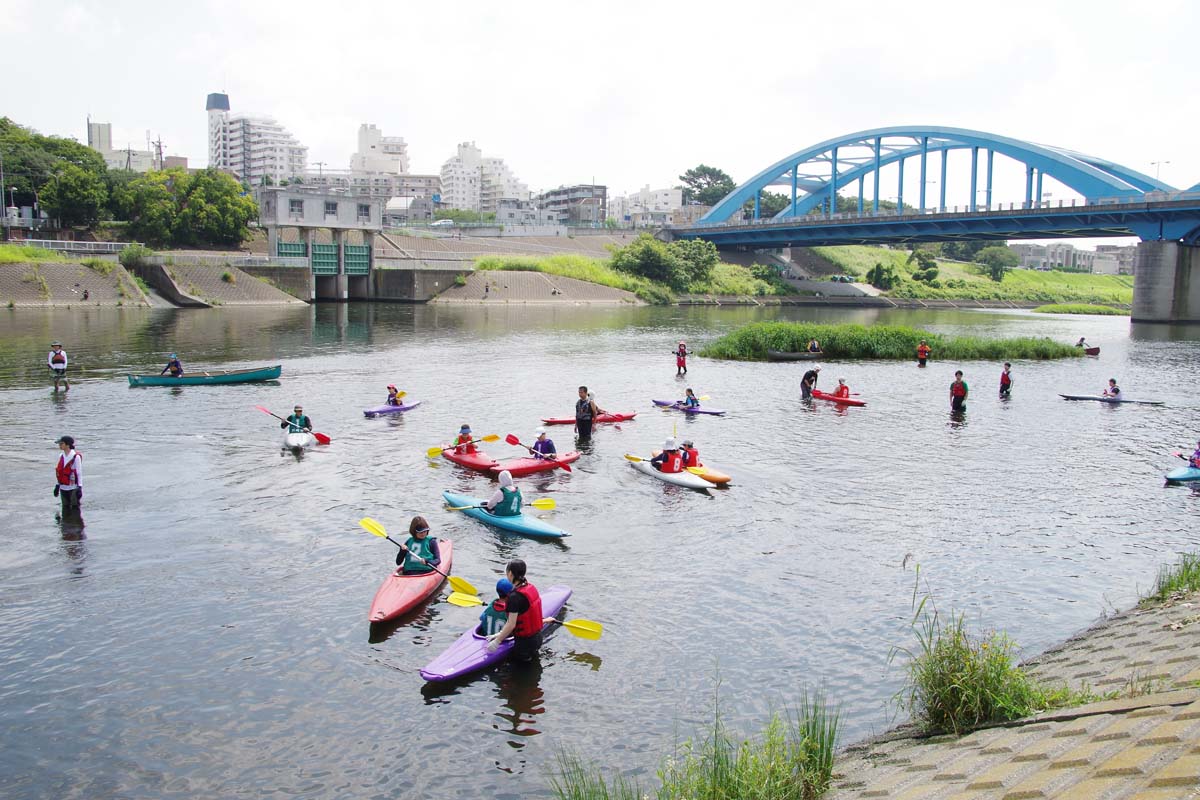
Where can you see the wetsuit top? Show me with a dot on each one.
(297, 423)
(958, 389)
(691, 401)
(543, 448)
(426, 548)
(392, 399)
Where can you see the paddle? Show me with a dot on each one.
(456, 583)
(512, 439)
(434, 452)
(320, 437)
(583, 628)
(544, 503)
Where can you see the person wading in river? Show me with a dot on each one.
(56, 360)
(586, 412)
(958, 392)
(809, 382)
(525, 621)
(68, 478)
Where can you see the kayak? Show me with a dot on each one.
(217, 376)
(524, 524)
(378, 410)
(595, 420)
(1102, 399)
(678, 406)
(530, 465)
(1183, 475)
(469, 652)
(686, 479)
(480, 461)
(842, 401)
(298, 441)
(782, 355)
(1091, 351)
(708, 473)
(399, 594)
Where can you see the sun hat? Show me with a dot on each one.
(539, 430)
(465, 428)
(669, 444)
(56, 344)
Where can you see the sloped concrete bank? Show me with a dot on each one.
(64, 283)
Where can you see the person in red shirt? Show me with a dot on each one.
(681, 354)
(464, 442)
(1006, 380)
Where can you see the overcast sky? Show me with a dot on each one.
(627, 93)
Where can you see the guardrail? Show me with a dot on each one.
(67, 246)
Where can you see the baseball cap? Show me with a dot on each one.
(67, 440)
(504, 586)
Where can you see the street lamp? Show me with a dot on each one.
(11, 191)
(1158, 167)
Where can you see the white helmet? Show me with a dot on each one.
(539, 430)
(669, 444)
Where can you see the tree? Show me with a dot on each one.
(31, 162)
(769, 204)
(211, 208)
(924, 259)
(882, 277)
(74, 196)
(148, 202)
(998, 259)
(706, 185)
(649, 258)
(964, 250)
(696, 257)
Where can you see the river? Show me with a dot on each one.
(206, 635)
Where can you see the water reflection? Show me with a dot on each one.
(519, 688)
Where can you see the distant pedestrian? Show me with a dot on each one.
(68, 478)
(958, 392)
(56, 359)
(1006, 380)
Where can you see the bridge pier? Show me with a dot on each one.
(1166, 284)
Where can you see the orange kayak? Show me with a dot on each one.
(708, 473)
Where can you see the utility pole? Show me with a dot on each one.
(158, 148)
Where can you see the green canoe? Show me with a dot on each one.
(207, 377)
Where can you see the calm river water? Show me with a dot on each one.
(208, 637)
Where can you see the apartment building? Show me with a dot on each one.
(254, 149)
(100, 140)
(646, 208)
(582, 204)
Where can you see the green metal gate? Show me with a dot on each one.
(325, 259)
(358, 259)
(292, 249)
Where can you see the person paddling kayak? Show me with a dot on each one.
(958, 392)
(1082, 342)
(1194, 460)
(506, 500)
(670, 459)
(174, 366)
(420, 553)
(842, 389)
(681, 354)
(464, 442)
(586, 411)
(690, 400)
(1006, 380)
(922, 353)
(68, 477)
(297, 422)
(393, 398)
(56, 359)
(809, 382)
(543, 446)
(496, 614)
(524, 610)
(1113, 390)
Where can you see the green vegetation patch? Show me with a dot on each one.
(751, 343)
(23, 254)
(99, 265)
(580, 268)
(1175, 580)
(1080, 308)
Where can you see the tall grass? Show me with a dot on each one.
(23, 254)
(791, 759)
(1080, 308)
(751, 343)
(1181, 577)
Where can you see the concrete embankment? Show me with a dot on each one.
(206, 285)
(63, 283)
(1143, 744)
(491, 287)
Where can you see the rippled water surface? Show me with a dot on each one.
(207, 635)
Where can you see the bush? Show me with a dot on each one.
(460, 280)
(99, 265)
(229, 277)
(1180, 578)
(133, 255)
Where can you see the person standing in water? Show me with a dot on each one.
(922, 353)
(1006, 380)
(524, 609)
(958, 392)
(809, 382)
(681, 354)
(57, 361)
(68, 478)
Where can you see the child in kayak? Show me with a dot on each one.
(842, 389)
(681, 354)
(1113, 390)
(393, 398)
(173, 366)
(506, 500)
(922, 353)
(958, 392)
(543, 446)
(1006, 380)
(670, 459)
(420, 553)
(690, 400)
(495, 615)
(298, 422)
(463, 443)
(691, 456)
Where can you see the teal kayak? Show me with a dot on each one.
(201, 378)
(524, 524)
(1183, 475)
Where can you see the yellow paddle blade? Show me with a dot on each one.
(464, 600)
(695, 470)
(373, 527)
(401, 394)
(704, 397)
(584, 628)
(543, 502)
(433, 452)
(462, 585)
(491, 437)
(633, 458)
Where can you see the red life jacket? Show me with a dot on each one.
(64, 472)
(59, 357)
(842, 391)
(1005, 380)
(958, 389)
(693, 456)
(463, 444)
(529, 623)
(672, 463)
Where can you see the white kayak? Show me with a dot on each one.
(298, 441)
(686, 479)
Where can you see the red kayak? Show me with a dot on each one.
(399, 594)
(480, 461)
(601, 418)
(528, 466)
(842, 401)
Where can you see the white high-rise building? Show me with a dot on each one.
(473, 182)
(379, 153)
(251, 148)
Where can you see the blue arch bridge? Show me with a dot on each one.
(820, 184)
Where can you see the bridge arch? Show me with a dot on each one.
(813, 176)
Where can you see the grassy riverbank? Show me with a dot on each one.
(1081, 308)
(957, 280)
(23, 254)
(751, 343)
(725, 279)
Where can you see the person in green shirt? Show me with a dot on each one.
(506, 500)
(495, 615)
(420, 553)
(958, 392)
(298, 422)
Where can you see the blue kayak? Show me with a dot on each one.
(524, 524)
(1183, 475)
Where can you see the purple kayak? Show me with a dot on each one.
(374, 412)
(678, 406)
(469, 652)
